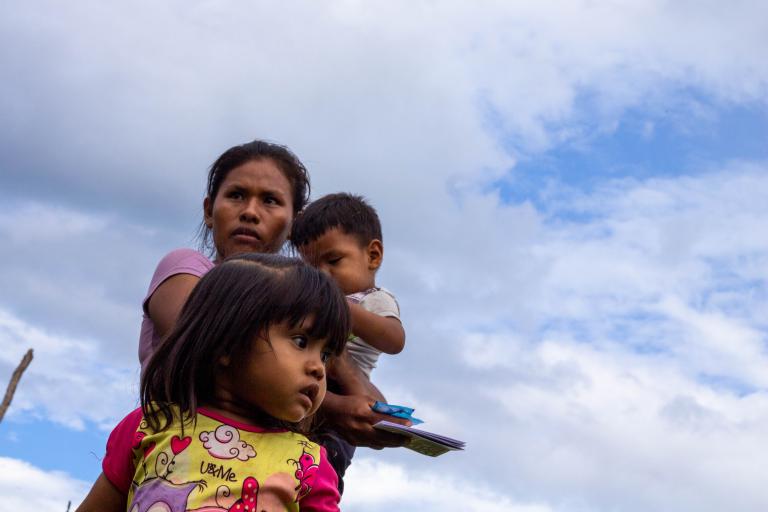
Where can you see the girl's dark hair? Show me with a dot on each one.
(288, 163)
(229, 307)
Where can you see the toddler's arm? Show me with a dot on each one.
(104, 497)
(385, 333)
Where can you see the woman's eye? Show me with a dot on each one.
(300, 341)
(272, 200)
(334, 261)
(235, 194)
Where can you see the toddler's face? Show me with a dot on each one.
(352, 265)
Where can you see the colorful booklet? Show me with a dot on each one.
(427, 443)
(421, 441)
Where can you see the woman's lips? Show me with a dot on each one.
(245, 235)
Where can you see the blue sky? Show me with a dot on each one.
(573, 201)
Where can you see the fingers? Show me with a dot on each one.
(377, 417)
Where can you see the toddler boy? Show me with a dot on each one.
(341, 234)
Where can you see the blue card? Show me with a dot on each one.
(398, 411)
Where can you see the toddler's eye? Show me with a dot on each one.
(325, 356)
(300, 341)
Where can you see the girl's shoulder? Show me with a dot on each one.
(117, 464)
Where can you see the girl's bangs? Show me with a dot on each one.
(305, 293)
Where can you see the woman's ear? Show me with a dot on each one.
(208, 212)
(375, 251)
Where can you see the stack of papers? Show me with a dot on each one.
(421, 441)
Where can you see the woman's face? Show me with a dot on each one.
(252, 210)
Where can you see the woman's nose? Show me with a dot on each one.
(251, 212)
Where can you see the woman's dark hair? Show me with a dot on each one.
(288, 163)
(229, 307)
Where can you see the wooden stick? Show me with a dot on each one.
(15, 378)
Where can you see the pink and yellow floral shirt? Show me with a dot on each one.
(218, 465)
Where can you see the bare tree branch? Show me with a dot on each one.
(15, 378)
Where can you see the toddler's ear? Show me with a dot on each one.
(375, 251)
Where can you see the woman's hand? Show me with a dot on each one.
(351, 417)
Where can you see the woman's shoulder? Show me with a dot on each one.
(184, 257)
(180, 261)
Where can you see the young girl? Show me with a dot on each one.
(225, 395)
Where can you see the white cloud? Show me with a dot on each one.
(419, 92)
(26, 487)
(640, 366)
(69, 380)
(600, 423)
(35, 221)
(77, 273)
(373, 485)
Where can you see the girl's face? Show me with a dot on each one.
(252, 210)
(285, 378)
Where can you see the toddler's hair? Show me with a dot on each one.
(351, 213)
(229, 307)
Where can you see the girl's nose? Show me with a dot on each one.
(316, 368)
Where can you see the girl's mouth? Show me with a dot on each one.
(310, 392)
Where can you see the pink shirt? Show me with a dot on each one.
(219, 465)
(180, 261)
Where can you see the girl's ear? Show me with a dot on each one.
(375, 251)
(208, 212)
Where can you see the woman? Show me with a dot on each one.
(254, 192)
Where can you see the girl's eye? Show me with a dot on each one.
(300, 341)
(271, 200)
